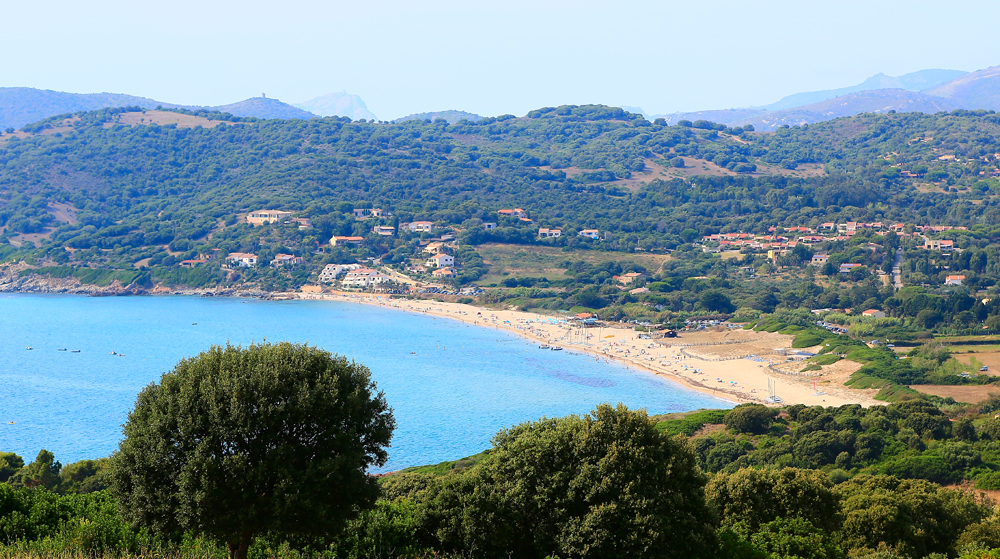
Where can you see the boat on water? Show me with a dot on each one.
(74, 351)
(544, 347)
(62, 349)
(29, 348)
(114, 353)
(557, 348)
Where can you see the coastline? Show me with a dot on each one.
(737, 380)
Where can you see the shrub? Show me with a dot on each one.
(750, 418)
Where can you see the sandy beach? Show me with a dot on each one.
(733, 364)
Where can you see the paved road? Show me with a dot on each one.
(897, 281)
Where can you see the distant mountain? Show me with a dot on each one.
(978, 90)
(927, 91)
(876, 101)
(722, 116)
(340, 103)
(23, 105)
(262, 107)
(915, 81)
(451, 116)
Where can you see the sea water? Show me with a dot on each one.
(451, 385)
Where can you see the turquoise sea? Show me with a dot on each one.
(460, 385)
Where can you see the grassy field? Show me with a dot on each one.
(548, 262)
(969, 394)
(968, 340)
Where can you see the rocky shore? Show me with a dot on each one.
(13, 280)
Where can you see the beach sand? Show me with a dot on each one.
(709, 361)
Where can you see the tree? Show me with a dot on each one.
(43, 472)
(10, 463)
(604, 485)
(750, 418)
(717, 301)
(912, 517)
(238, 442)
(754, 498)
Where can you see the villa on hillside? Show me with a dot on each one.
(366, 213)
(286, 260)
(488, 226)
(192, 263)
(440, 261)
(384, 230)
(873, 313)
(444, 273)
(337, 240)
(940, 246)
(820, 259)
(954, 280)
(241, 260)
(262, 217)
(547, 233)
(847, 267)
(626, 279)
(516, 212)
(421, 226)
(590, 233)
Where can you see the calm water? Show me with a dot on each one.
(463, 384)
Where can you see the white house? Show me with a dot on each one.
(441, 261)
(241, 259)
(421, 226)
(363, 277)
(547, 233)
(333, 271)
(590, 233)
(488, 226)
(384, 230)
(873, 313)
(954, 280)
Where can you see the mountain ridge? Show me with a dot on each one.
(24, 105)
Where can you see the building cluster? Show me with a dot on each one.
(779, 241)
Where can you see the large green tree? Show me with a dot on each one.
(607, 484)
(237, 442)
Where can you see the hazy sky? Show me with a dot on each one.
(510, 56)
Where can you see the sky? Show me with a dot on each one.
(486, 57)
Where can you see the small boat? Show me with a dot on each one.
(557, 349)
(194, 324)
(62, 349)
(74, 351)
(544, 347)
(114, 353)
(29, 348)
(11, 423)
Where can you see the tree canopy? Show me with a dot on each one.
(239, 442)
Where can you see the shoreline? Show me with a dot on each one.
(746, 379)
(665, 360)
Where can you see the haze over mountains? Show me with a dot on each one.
(340, 103)
(926, 91)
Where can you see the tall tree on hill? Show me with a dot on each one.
(238, 442)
